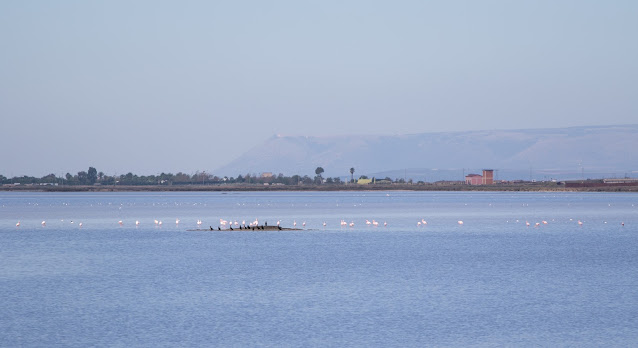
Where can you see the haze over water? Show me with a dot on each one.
(491, 281)
(191, 87)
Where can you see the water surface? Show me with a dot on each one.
(491, 281)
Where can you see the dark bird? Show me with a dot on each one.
(279, 227)
(211, 227)
(231, 228)
(219, 228)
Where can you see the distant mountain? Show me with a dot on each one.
(562, 153)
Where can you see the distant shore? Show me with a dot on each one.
(509, 187)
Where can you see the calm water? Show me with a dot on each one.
(492, 281)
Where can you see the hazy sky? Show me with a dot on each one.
(167, 86)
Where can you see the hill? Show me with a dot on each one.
(561, 153)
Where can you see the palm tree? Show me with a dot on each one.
(351, 174)
(318, 171)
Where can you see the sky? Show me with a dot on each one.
(168, 86)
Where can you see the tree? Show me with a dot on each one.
(48, 179)
(351, 174)
(82, 177)
(91, 175)
(181, 178)
(127, 179)
(318, 171)
(306, 180)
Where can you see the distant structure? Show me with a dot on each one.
(488, 176)
(601, 183)
(476, 179)
(266, 175)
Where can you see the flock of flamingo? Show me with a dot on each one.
(228, 224)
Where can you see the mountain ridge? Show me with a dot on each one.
(572, 151)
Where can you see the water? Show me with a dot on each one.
(492, 281)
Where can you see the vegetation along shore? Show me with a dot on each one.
(94, 181)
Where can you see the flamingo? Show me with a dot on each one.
(80, 224)
(343, 222)
(324, 223)
(526, 223)
(156, 222)
(544, 222)
(424, 222)
(460, 222)
(44, 223)
(375, 223)
(303, 224)
(137, 223)
(176, 221)
(199, 222)
(120, 222)
(385, 224)
(351, 224)
(368, 222)
(294, 223)
(160, 223)
(18, 224)
(580, 223)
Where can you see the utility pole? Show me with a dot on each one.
(530, 173)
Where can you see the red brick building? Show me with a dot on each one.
(488, 177)
(474, 179)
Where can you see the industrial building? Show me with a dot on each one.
(476, 179)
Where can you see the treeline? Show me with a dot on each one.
(93, 177)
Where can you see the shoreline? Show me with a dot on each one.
(524, 187)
